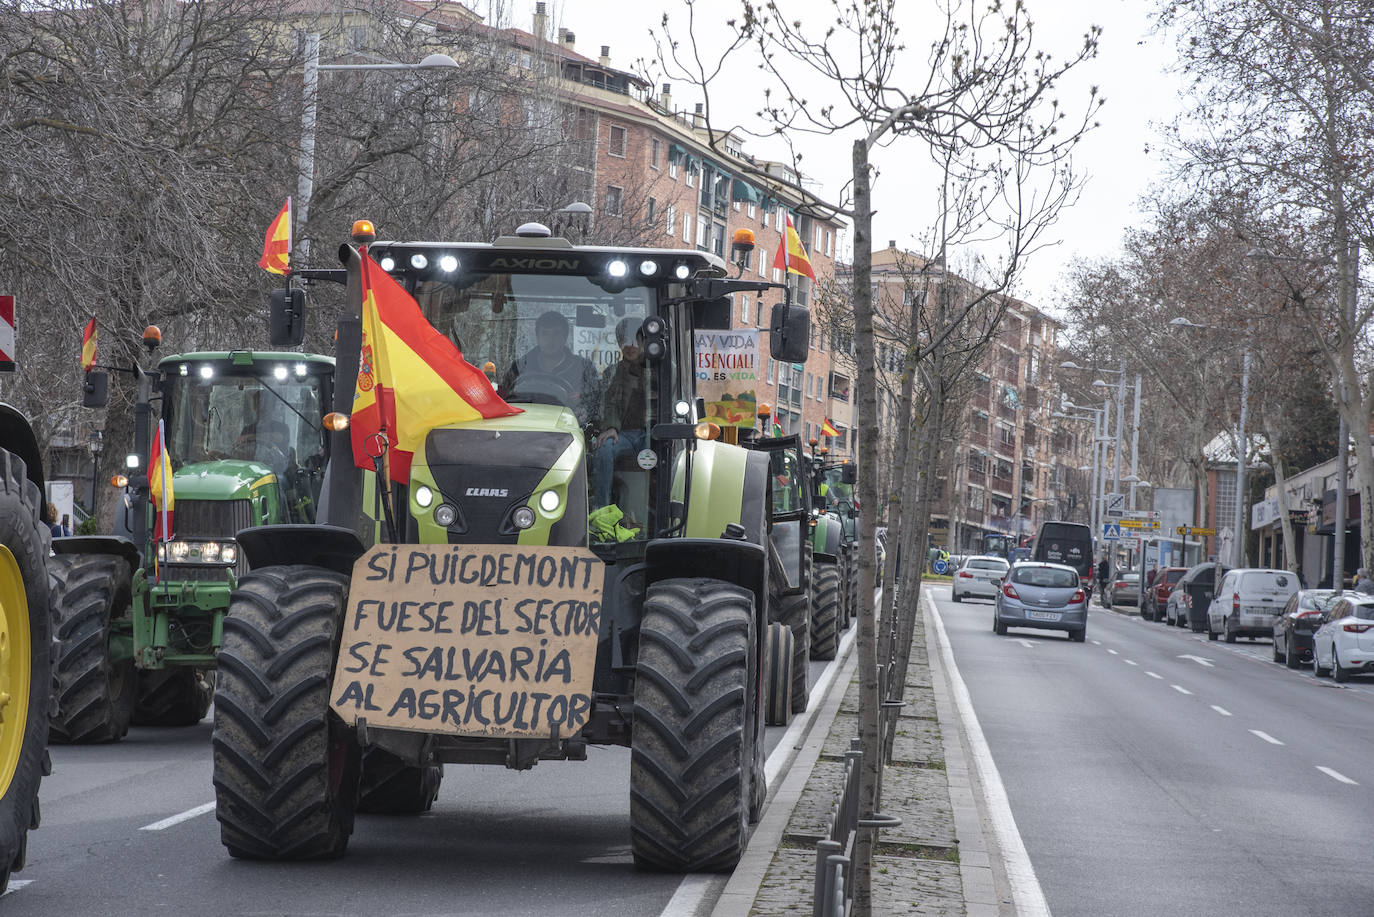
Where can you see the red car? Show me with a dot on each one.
(1157, 596)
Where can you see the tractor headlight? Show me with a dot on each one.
(445, 515)
(424, 497)
(229, 553)
(549, 501)
(209, 552)
(162, 553)
(523, 517)
(178, 551)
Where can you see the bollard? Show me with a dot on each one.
(835, 865)
(820, 899)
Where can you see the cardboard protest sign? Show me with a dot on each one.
(728, 375)
(472, 640)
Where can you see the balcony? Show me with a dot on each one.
(1001, 485)
(976, 477)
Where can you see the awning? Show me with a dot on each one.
(675, 151)
(711, 164)
(743, 191)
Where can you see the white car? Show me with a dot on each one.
(1344, 643)
(979, 577)
(1247, 602)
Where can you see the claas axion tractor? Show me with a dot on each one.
(591, 567)
(141, 620)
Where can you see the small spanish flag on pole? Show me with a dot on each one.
(791, 256)
(160, 486)
(88, 346)
(828, 428)
(276, 248)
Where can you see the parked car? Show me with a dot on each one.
(1196, 588)
(1157, 594)
(980, 577)
(1048, 596)
(1248, 601)
(1126, 588)
(1344, 643)
(1294, 628)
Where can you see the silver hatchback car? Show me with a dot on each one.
(1046, 596)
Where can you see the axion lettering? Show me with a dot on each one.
(537, 264)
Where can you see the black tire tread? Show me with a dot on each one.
(795, 612)
(777, 678)
(825, 612)
(692, 758)
(172, 698)
(95, 695)
(390, 786)
(274, 730)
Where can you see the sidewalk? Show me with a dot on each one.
(937, 864)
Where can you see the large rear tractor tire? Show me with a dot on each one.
(693, 753)
(172, 697)
(95, 694)
(795, 612)
(777, 675)
(390, 786)
(285, 766)
(825, 612)
(26, 647)
(851, 593)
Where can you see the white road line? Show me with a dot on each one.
(1097, 643)
(1266, 737)
(179, 817)
(1130, 662)
(16, 884)
(1155, 675)
(1200, 660)
(1334, 775)
(1180, 689)
(1114, 652)
(1222, 710)
(1027, 644)
(1026, 893)
(687, 898)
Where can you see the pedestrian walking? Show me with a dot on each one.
(1150, 575)
(1363, 583)
(1104, 572)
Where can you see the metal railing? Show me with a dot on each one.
(835, 854)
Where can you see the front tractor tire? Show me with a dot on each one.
(95, 693)
(390, 786)
(694, 748)
(25, 659)
(825, 612)
(285, 766)
(173, 698)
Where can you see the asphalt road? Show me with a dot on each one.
(1146, 782)
(130, 829)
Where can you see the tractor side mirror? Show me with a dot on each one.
(848, 473)
(286, 322)
(95, 391)
(712, 314)
(789, 335)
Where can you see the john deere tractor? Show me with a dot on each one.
(591, 570)
(834, 535)
(141, 620)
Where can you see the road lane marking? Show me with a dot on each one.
(1027, 644)
(1266, 737)
(16, 884)
(1222, 710)
(1097, 643)
(1028, 897)
(1155, 675)
(1130, 662)
(179, 817)
(1180, 689)
(1334, 775)
(1114, 652)
(1200, 660)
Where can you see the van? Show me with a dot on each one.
(1248, 601)
(1069, 543)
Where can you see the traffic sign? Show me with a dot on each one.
(1194, 530)
(1139, 524)
(940, 566)
(1114, 505)
(1111, 531)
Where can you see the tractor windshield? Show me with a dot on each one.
(270, 415)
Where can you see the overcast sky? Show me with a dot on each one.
(1130, 70)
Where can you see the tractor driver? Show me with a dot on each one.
(550, 368)
(622, 426)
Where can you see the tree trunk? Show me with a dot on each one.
(867, 406)
(1290, 554)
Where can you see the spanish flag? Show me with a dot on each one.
(160, 486)
(88, 346)
(828, 428)
(792, 254)
(276, 248)
(411, 378)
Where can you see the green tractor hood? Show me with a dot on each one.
(224, 479)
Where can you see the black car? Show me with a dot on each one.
(1197, 586)
(1300, 619)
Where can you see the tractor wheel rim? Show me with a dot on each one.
(15, 666)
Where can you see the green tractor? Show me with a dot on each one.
(592, 570)
(834, 544)
(141, 621)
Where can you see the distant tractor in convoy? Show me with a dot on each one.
(25, 638)
(141, 620)
(500, 590)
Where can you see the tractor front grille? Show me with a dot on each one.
(219, 520)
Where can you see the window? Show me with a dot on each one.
(672, 218)
(767, 214)
(357, 38)
(687, 228)
(777, 275)
(703, 234)
(771, 364)
(758, 308)
(615, 200)
(744, 309)
(652, 212)
(691, 176)
(617, 141)
(796, 387)
(655, 153)
(753, 210)
(672, 169)
(975, 498)
(830, 242)
(808, 385)
(808, 432)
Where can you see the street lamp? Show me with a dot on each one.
(311, 93)
(1238, 539)
(1098, 468)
